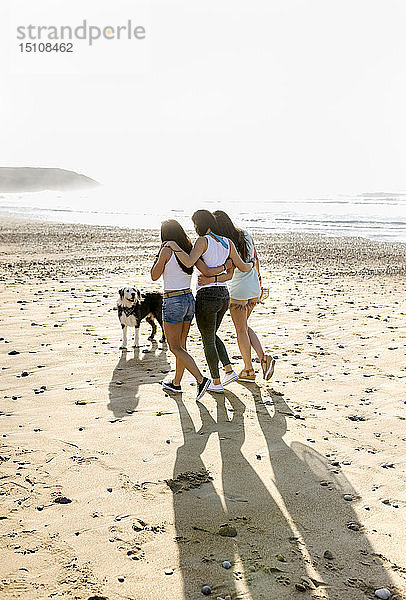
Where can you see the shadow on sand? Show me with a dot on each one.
(280, 518)
(135, 367)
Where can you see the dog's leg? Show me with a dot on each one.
(137, 337)
(151, 321)
(124, 341)
(158, 317)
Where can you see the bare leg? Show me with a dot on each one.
(255, 343)
(267, 361)
(173, 333)
(180, 367)
(239, 317)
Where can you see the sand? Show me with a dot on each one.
(112, 489)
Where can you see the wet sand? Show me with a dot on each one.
(112, 489)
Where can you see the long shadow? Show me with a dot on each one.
(263, 529)
(236, 520)
(280, 516)
(199, 513)
(313, 497)
(133, 368)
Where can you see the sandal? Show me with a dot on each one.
(247, 375)
(268, 366)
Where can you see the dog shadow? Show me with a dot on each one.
(133, 368)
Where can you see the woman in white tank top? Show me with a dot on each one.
(245, 292)
(178, 305)
(212, 300)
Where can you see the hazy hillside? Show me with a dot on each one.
(29, 179)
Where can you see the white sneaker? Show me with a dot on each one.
(215, 388)
(229, 378)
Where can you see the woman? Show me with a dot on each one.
(178, 305)
(212, 298)
(245, 292)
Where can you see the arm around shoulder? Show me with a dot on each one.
(190, 259)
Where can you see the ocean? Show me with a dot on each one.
(377, 216)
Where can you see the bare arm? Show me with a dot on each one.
(209, 271)
(160, 262)
(237, 260)
(189, 259)
(204, 279)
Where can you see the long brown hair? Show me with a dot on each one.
(204, 220)
(225, 226)
(172, 231)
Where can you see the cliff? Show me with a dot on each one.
(30, 179)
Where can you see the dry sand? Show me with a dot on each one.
(151, 479)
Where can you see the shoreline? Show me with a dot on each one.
(153, 479)
(282, 222)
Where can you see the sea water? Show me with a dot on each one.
(379, 216)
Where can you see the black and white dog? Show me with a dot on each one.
(132, 307)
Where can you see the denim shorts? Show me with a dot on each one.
(178, 309)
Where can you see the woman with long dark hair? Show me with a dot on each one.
(245, 292)
(212, 298)
(178, 305)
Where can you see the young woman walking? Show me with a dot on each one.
(212, 298)
(245, 292)
(178, 305)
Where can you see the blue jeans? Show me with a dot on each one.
(178, 309)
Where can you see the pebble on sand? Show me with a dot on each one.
(206, 590)
(383, 593)
(62, 500)
(227, 531)
(226, 564)
(280, 557)
(168, 571)
(348, 497)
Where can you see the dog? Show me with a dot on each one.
(133, 307)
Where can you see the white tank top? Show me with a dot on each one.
(174, 277)
(215, 255)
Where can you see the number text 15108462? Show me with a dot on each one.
(46, 47)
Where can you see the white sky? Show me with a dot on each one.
(252, 99)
